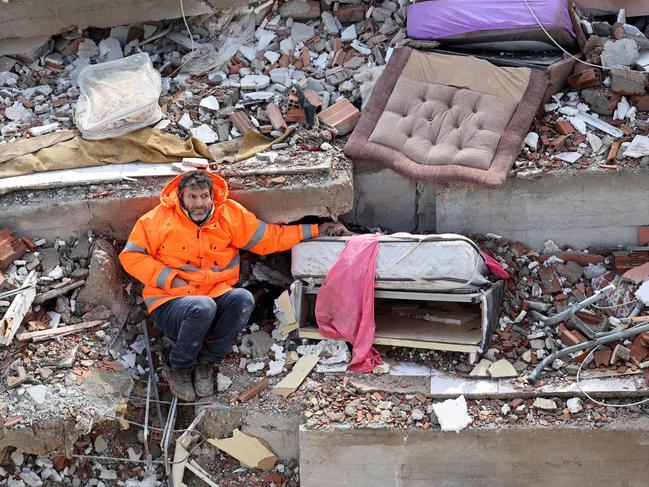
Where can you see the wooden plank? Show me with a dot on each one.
(62, 330)
(389, 325)
(311, 332)
(55, 293)
(300, 370)
(19, 308)
(249, 450)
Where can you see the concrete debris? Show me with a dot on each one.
(223, 382)
(502, 369)
(575, 405)
(452, 414)
(544, 404)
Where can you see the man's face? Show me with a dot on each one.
(197, 202)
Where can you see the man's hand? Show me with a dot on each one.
(333, 229)
(178, 282)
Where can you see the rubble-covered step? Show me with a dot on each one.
(49, 215)
(541, 455)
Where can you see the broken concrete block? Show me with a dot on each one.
(223, 382)
(575, 405)
(452, 414)
(204, 133)
(619, 54)
(257, 344)
(300, 9)
(601, 100)
(301, 32)
(255, 82)
(349, 34)
(481, 369)
(639, 147)
(628, 82)
(100, 444)
(502, 369)
(329, 22)
(103, 284)
(545, 404)
(210, 103)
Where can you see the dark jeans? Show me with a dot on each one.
(203, 327)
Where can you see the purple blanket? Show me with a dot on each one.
(438, 19)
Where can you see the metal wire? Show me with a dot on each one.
(595, 400)
(556, 43)
(116, 459)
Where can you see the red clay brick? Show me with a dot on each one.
(243, 124)
(342, 116)
(275, 116)
(585, 79)
(637, 274)
(564, 127)
(350, 14)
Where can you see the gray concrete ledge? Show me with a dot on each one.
(70, 212)
(579, 209)
(548, 456)
(38, 18)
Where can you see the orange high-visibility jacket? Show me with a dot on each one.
(165, 243)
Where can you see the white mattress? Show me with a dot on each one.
(435, 262)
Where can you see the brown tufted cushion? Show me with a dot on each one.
(438, 125)
(438, 117)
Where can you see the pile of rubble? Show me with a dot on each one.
(545, 284)
(601, 122)
(241, 70)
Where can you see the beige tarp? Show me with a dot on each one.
(146, 145)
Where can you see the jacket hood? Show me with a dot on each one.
(169, 196)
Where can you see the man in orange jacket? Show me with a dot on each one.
(186, 253)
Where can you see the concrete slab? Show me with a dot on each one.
(579, 210)
(28, 18)
(387, 199)
(475, 457)
(50, 427)
(72, 211)
(277, 428)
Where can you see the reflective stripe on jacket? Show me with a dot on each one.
(165, 243)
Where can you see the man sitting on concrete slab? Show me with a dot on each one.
(186, 253)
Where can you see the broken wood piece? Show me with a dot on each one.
(55, 332)
(249, 450)
(272, 171)
(300, 371)
(55, 293)
(19, 308)
(253, 390)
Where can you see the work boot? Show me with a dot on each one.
(204, 378)
(180, 382)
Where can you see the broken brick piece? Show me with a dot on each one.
(275, 116)
(585, 79)
(350, 14)
(637, 274)
(612, 153)
(519, 249)
(643, 236)
(603, 357)
(243, 124)
(564, 127)
(559, 143)
(549, 280)
(342, 116)
(571, 337)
